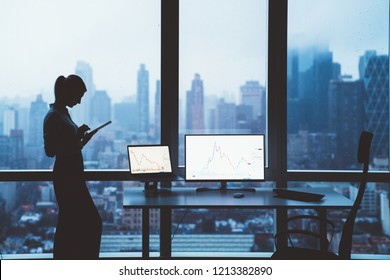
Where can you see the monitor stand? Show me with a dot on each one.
(224, 188)
(150, 188)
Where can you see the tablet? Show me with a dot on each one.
(100, 127)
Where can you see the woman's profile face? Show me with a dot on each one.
(75, 98)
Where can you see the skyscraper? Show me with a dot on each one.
(195, 105)
(10, 120)
(81, 113)
(157, 111)
(143, 99)
(100, 108)
(374, 70)
(38, 111)
(225, 117)
(346, 118)
(17, 149)
(253, 94)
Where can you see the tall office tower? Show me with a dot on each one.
(384, 212)
(100, 108)
(297, 112)
(126, 117)
(38, 110)
(346, 119)
(292, 73)
(321, 150)
(225, 116)
(322, 72)
(195, 105)
(81, 113)
(17, 149)
(143, 100)
(10, 120)
(5, 152)
(157, 111)
(244, 118)
(252, 94)
(374, 70)
(309, 71)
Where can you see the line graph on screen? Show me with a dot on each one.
(217, 158)
(149, 159)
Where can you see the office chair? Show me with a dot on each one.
(345, 245)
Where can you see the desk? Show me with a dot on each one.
(182, 197)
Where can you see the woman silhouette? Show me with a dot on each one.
(79, 226)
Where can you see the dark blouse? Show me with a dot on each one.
(61, 140)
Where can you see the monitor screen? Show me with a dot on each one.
(149, 159)
(216, 157)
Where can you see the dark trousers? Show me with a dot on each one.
(79, 226)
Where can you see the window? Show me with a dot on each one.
(114, 47)
(338, 74)
(222, 64)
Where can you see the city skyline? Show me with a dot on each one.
(114, 50)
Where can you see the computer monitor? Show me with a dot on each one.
(151, 164)
(149, 159)
(224, 157)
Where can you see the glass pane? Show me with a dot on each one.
(222, 231)
(113, 46)
(372, 223)
(222, 60)
(338, 82)
(28, 218)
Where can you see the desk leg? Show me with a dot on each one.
(145, 232)
(165, 232)
(323, 227)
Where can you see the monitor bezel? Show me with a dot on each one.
(146, 146)
(221, 180)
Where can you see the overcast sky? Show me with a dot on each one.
(222, 40)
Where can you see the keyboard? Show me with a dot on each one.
(298, 195)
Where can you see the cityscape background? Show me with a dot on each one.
(338, 85)
(326, 140)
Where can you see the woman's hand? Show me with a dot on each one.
(82, 130)
(87, 137)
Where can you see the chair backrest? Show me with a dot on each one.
(345, 245)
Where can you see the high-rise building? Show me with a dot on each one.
(195, 105)
(10, 120)
(252, 94)
(143, 99)
(100, 108)
(5, 151)
(225, 117)
(321, 150)
(346, 119)
(126, 117)
(157, 111)
(81, 113)
(374, 70)
(17, 149)
(384, 212)
(38, 111)
(309, 72)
